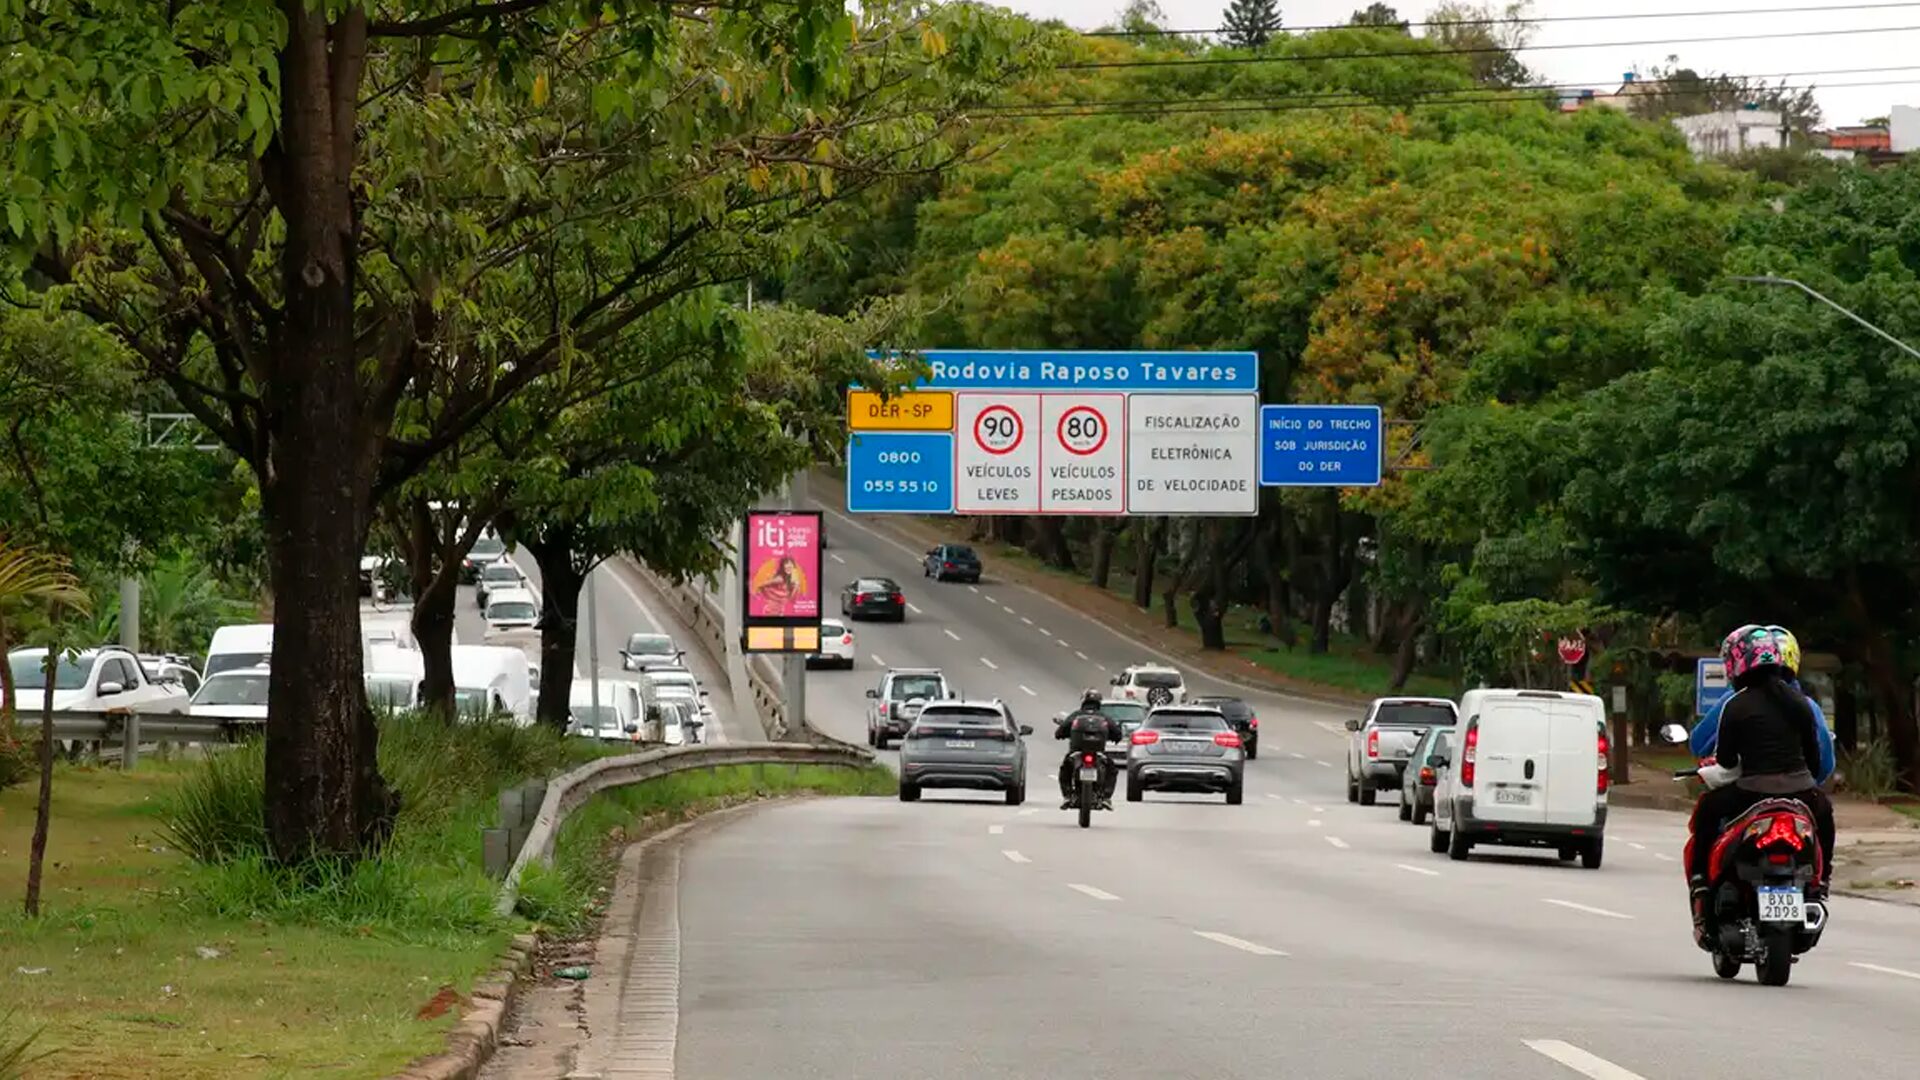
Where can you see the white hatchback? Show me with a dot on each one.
(836, 646)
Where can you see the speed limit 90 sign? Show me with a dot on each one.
(998, 429)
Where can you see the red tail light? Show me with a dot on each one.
(1086, 759)
(1145, 738)
(1252, 722)
(1600, 781)
(1228, 739)
(899, 599)
(848, 640)
(1468, 752)
(883, 709)
(1373, 743)
(946, 566)
(1781, 829)
(1426, 775)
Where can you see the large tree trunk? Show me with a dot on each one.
(560, 584)
(1105, 535)
(433, 619)
(1889, 682)
(325, 795)
(1209, 598)
(43, 807)
(1146, 556)
(1403, 657)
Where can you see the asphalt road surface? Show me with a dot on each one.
(1294, 936)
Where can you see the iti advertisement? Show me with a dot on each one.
(783, 556)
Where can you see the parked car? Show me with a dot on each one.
(1240, 715)
(511, 609)
(646, 650)
(243, 646)
(902, 693)
(234, 694)
(492, 681)
(92, 680)
(393, 677)
(495, 576)
(486, 550)
(1186, 748)
(171, 668)
(1528, 768)
(1154, 684)
(873, 598)
(952, 562)
(965, 744)
(1379, 745)
(1423, 773)
(836, 646)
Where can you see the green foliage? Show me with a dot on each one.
(1250, 24)
(19, 759)
(216, 814)
(1868, 770)
(16, 1048)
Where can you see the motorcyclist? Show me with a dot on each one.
(1090, 731)
(1767, 731)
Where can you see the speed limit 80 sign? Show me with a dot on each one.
(1083, 458)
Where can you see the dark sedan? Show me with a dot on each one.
(1240, 715)
(952, 562)
(873, 598)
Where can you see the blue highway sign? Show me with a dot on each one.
(1321, 445)
(894, 473)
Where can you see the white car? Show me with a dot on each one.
(234, 694)
(94, 680)
(619, 718)
(1154, 684)
(836, 646)
(497, 576)
(679, 684)
(1528, 768)
(511, 609)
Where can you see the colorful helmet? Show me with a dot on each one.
(1752, 647)
(1789, 648)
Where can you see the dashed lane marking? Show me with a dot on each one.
(950, 633)
(990, 664)
(836, 558)
(996, 830)
(1337, 842)
(1421, 870)
(1600, 911)
(1884, 970)
(1314, 822)
(1015, 857)
(1097, 894)
(915, 609)
(1232, 942)
(1080, 654)
(1026, 691)
(1588, 1065)
(1046, 631)
(1026, 620)
(877, 662)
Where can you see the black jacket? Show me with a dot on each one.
(1774, 746)
(1089, 730)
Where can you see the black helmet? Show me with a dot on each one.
(1090, 699)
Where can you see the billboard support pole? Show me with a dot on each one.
(793, 676)
(732, 630)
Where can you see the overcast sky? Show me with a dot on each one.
(1602, 65)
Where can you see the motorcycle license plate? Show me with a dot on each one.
(1089, 772)
(1512, 796)
(1782, 905)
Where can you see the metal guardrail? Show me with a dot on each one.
(128, 729)
(567, 791)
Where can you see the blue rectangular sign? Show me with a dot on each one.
(896, 473)
(1195, 372)
(1321, 445)
(1709, 684)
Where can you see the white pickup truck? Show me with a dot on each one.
(1379, 745)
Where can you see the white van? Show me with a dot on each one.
(1528, 768)
(621, 710)
(492, 679)
(247, 646)
(393, 677)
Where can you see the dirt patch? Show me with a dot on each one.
(439, 1004)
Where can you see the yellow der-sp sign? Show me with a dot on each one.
(919, 410)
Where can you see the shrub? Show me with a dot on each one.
(16, 1050)
(18, 761)
(1868, 770)
(216, 813)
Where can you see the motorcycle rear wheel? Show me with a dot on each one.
(1727, 967)
(1776, 967)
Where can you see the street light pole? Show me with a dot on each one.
(1790, 283)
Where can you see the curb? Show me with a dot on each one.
(472, 1041)
(1647, 800)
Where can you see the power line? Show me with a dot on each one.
(1304, 103)
(1654, 89)
(1474, 50)
(1516, 20)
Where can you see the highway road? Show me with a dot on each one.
(1294, 936)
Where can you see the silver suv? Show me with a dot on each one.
(902, 693)
(965, 744)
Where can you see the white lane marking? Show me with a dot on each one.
(990, 664)
(1026, 620)
(1417, 869)
(950, 633)
(1600, 911)
(915, 609)
(836, 558)
(1597, 1068)
(1029, 811)
(877, 662)
(1276, 798)
(1296, 755)
(973, 588)
(1062, 642)
(1636, 847)
(1315, 822)
(1080, 654)
(1337, 842)
(1046, 631)
(1008, 610)
(1883, 970)
(1323, 764)
(1015, 857)
(1097, 894)
(1663, 857)
(996, 830)
(1237, 943)
(1319, 809)
(1301, 802)
(1328, 725)
(1029, 693)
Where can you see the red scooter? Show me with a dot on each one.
(1759, 873)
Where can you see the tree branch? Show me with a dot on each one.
(451, 23)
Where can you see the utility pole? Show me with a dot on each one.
(593, 643)
(1790, 283)
(793, 676)
(130, 613)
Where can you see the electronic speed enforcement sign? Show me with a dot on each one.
(1082, 460)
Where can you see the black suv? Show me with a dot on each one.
(955, 562)
(1239, 714)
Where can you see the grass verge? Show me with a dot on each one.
(566, 896)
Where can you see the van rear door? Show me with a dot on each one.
(1573, 776)
(1511, 760)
